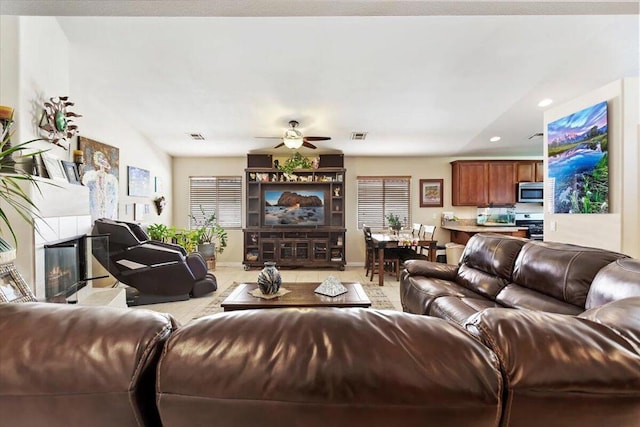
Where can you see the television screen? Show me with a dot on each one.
(292, 207)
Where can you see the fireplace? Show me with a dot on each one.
(69, 265)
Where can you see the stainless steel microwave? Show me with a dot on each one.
(530, 192)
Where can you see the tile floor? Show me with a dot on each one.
(184, 311)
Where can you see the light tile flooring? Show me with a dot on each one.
(184, 311)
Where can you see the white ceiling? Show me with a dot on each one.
(441, 82)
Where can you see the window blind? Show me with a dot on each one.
(219, 195)
(380, 196)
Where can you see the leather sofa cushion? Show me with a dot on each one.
(480, 282)
(560, 270)
(458, 309)
(516, 296)
(618, 280)
(623, 316)
(64, 365)
(491, 253)
(418, 292)
(326, 367)
(562, 370)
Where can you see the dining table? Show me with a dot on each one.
(388, 240)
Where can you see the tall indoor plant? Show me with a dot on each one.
(12, 195)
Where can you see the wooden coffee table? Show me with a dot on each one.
(301, 295)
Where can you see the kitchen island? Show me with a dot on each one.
(462, 233)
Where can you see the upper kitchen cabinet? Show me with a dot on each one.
(501, 182)
(480, 183)
(469, 183)
(530, 171)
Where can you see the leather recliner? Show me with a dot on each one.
(155, 271)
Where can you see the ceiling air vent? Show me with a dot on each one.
(196, 136)
(358, 136)
(536, 135)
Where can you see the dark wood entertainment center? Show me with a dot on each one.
(315, 239)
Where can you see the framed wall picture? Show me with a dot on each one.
(139, 182)
(101, 173)
(13, 288)
(431, 193)
(54, 168)
(71, 169)
(138, 211)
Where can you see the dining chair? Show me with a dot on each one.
(391, 260)
(428, 233)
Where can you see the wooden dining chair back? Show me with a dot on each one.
(428, 233)
(391, 260)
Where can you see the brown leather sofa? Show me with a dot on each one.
(99, 366)
(497, 271)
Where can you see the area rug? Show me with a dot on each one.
(378, 300)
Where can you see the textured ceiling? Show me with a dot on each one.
(422, 78)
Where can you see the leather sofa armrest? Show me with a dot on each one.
(431, 269)
(62, 365)
(573, 367)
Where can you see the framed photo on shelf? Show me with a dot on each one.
(53, 167)
(431, 193)
(71, 169)
(12, 286)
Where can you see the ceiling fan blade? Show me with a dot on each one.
(317, 138)
(279, 145)
(306, 144)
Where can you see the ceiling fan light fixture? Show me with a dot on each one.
(292, 137)
(293, 143)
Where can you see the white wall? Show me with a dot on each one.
(619, 229)
(37, 63)
(186, 167)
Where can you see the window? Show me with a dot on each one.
(380, 196)
(221, 195)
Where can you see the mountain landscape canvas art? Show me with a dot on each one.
(578, 160)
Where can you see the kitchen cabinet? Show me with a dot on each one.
(530, 171)
(501, 183)
(483, 182)
(469, 183)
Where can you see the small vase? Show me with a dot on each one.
(269, 279)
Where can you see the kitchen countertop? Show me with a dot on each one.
(484, 229)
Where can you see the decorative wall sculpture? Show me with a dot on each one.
(57, 121)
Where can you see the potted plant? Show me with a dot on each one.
(296, 161)
(394, 221)
(158, 232)
(208, 232)
(11, 175)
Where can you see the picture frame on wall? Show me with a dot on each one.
(139, 181)
(13, 288)
(431, 193)
(71, 170)
(53, 168)
(101, 174)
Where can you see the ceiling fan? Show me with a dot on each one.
(293, 138)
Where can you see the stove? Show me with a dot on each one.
(534, 221)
